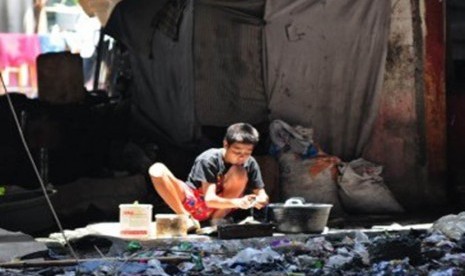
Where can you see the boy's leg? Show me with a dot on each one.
(234, 184)
(171, 189)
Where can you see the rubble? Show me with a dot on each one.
(451, 225)
(388, 250)
(395, 248)
(415, 252)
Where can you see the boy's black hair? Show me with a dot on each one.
(241, 133)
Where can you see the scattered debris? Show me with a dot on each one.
(452, 226)
(397, 251)
(391, 253)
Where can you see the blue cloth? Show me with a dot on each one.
(123, 267)
(52, 43)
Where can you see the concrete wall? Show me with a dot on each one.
(408, 138)
(16, 16)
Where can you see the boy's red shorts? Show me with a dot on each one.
(195, 205)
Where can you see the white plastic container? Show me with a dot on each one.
(135, 220)
(171, 225)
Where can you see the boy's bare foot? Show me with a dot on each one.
(192, 224)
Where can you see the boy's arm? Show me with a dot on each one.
(214, 201)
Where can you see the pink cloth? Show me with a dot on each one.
(18, 49)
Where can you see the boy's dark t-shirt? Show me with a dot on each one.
(210, 167)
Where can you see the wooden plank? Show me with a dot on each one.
(70, 262)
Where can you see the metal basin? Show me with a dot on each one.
(295, 216)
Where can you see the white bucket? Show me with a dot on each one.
(135, 220)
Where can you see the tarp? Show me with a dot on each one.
(162, 69)
(325, 66)
(228, 52)
(310, 62)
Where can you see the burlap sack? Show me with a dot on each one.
(362, 189)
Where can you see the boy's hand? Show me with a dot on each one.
(261, 201)
(244, 202)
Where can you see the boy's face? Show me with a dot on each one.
(237, 153)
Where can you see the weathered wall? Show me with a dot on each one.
(435, 92)
(408, 136)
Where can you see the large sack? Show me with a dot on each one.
(362, 189)
(287, 138)
(314, 179)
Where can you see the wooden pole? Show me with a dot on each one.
(70, 262)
